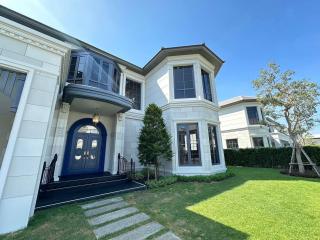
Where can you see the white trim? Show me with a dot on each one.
(17, 120)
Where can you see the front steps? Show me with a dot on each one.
(84, 188)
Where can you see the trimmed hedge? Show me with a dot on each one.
(206, 178)
(164, 181)
(266, 157)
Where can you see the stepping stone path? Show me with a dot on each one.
(114, 218)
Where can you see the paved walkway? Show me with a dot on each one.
(113, 218)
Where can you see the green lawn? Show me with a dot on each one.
(255, 204)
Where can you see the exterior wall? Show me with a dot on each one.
(41, 58)
(133, 125)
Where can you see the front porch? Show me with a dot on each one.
(85, 187)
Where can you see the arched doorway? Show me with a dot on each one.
(85, 148)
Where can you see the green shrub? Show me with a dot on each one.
(139, 176)
(206, 178)
(266, 157)
(163, 181)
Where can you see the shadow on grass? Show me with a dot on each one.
(170, 205)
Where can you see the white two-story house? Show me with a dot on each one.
(243, 125)
(78, 109)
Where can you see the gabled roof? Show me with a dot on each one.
(161, 55)
(236, 100)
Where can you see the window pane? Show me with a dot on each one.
(232, 143)
(88, 129)
(104, 72)
(188, 144)
(214, 151)
(133, 91)
(81, 66)
(116, 81)
(184, 82)
(95, 69)
(72, 68)
(253, 115)
(258, 142)
(183, 145)
(206, 85)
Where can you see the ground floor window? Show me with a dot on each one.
(188, 144)
(232, 143)
(213, 142)
(258, 142)
(285, 143)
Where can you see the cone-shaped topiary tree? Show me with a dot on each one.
(154, 140)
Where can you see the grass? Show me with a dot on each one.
(255, 204)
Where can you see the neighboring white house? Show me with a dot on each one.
(59, 95)
(243, 125)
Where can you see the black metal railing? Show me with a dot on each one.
(126, 166)
(48, 172)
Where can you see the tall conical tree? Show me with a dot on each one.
(154, 140)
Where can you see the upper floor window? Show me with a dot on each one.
(94, 70)
(253, 115)
(184, 86)
(133, 91)
(232, 143)
(206, 85)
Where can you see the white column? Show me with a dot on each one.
(60, 138)
(118, 140)
(171, 83)
(198, 80)
(213, 88)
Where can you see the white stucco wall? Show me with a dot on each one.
(41, 58)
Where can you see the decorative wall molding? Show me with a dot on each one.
(29, 38)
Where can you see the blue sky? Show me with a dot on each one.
(246, 34)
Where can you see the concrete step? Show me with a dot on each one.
(121, 224)
(102, 202)
(112, 216)
(141, 233)
(168, 236)
(104, 209)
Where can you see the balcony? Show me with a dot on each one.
(94, 83)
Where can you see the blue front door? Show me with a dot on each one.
(84, 150)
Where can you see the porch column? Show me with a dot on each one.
(118, 140)
(59, 138)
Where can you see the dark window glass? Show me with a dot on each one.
(105, 73)
(95, 69)
(258, 142)
(206, 85)
(213, 142)
(232, 143)
(253, 115)
(72, 68)
(188, 144)
(81, 66)
(133, 91)
(184, 82)
(116, 81)
(284, 143)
